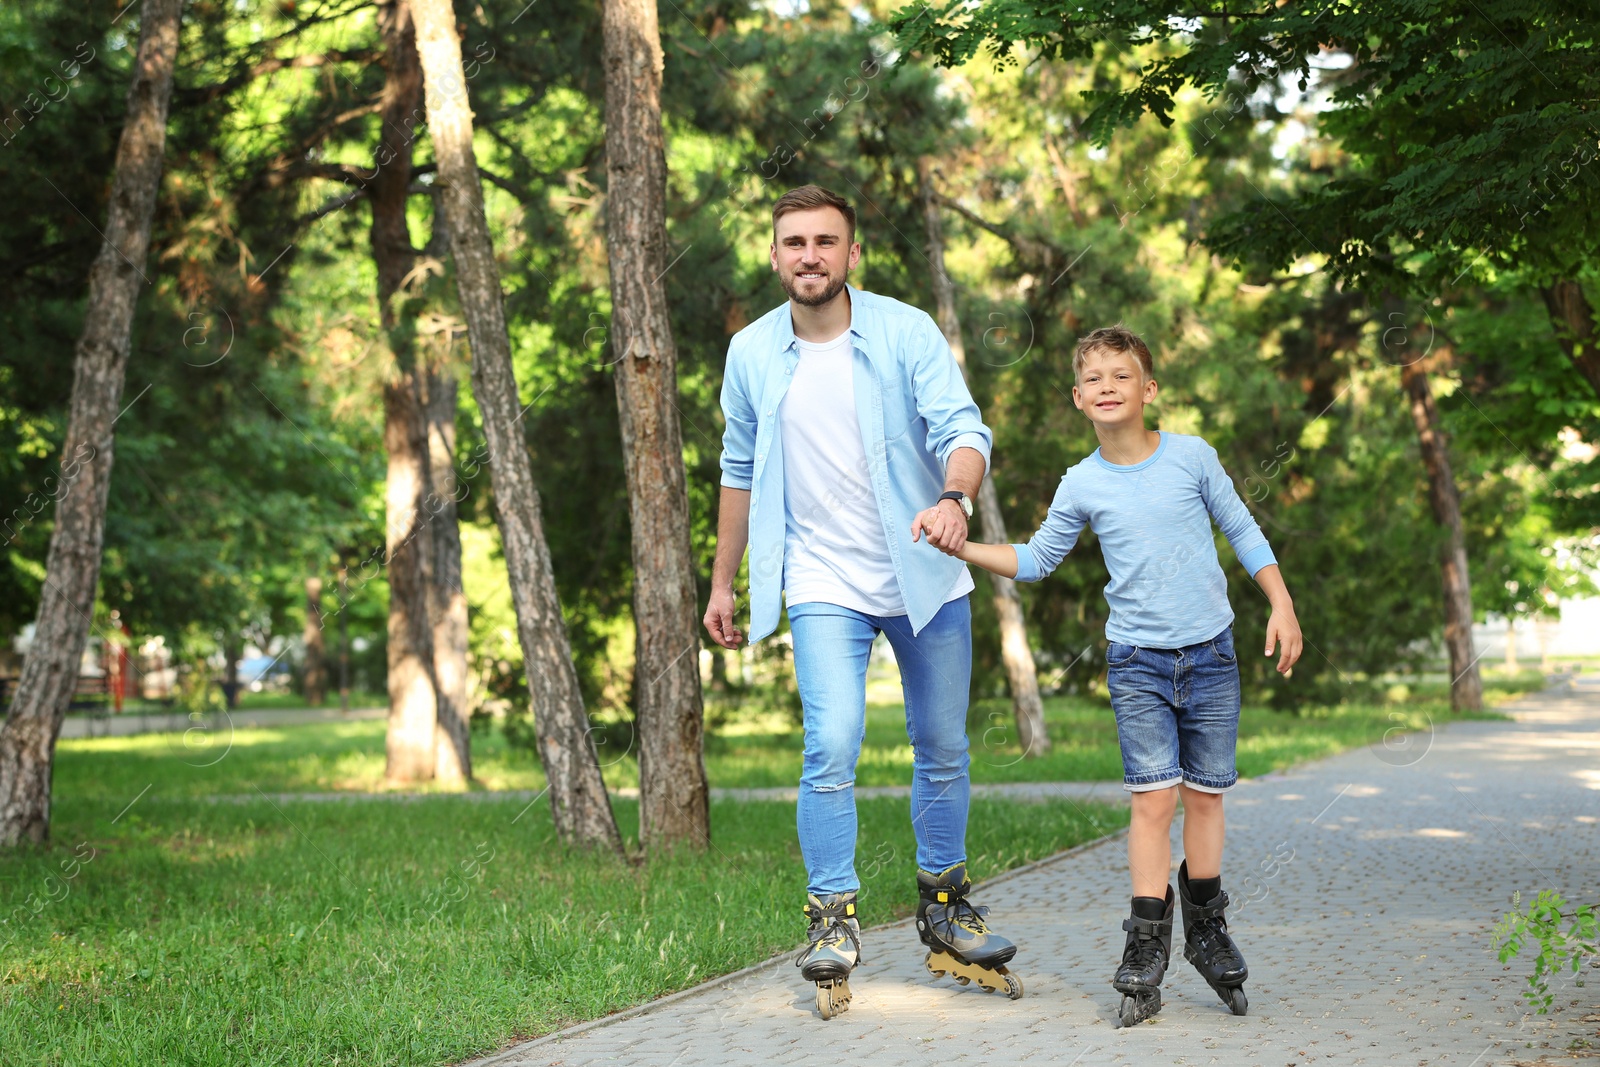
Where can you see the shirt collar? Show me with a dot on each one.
(787, 342)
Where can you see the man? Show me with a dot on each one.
(851, 435)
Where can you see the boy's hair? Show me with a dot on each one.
(1116, 338)
(810, 197)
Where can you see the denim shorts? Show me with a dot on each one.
(1177, 714)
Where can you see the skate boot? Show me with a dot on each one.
(833, 951)
(960, 942)
(1207, 945)
(1145, 956)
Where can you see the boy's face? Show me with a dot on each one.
(1112, 390)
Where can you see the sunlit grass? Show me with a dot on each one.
(423, 933)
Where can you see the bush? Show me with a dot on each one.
(1558, 949)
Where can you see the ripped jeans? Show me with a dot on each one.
(831, 648)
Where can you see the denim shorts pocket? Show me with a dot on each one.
(1118, 654)
(1222, 645)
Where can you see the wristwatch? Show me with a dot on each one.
(964, 501)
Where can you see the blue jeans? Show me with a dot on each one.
(831, 648)
(1177, 713)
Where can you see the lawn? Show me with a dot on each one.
(751, 750)
(188, 932)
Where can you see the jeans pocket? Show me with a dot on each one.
(1118, 654)
(1222, 645)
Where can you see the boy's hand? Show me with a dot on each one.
(946, 525)
(1283, 627)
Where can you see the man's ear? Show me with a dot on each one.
(772, 255)
(855, 254)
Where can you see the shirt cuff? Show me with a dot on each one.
(1258, 557)
(970, 440)
(731, 480)
(1027, 566)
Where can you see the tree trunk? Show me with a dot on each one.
(1021, 673)
(232, 652)
(674, 799)
(1466, 687)
(581, 808)
(344, 638)
(316, 665)
(413, 705)
(413, 715)
(447, 602)
(72, 566)
(1573, 320)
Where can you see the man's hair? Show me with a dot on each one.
(810, 197)
(1116, 338)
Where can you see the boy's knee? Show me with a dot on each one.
(1202, 802)
(1155, 803)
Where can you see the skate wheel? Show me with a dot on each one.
(1237, 1003)
(1013, 986)
(833, 998)
(962, 979)
(1137, 1008)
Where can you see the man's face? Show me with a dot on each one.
(1112, 390)
(813, 255)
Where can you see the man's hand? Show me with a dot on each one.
(946, 526)
(719, 619)
(1283, 627)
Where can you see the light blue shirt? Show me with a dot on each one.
(1153, 519)
(914, 409)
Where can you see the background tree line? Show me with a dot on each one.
(1362, 263)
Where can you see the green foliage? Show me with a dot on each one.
(1567, 938)
(1471, 118)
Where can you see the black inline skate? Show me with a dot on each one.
(1207, 945)
(833, 951)
(1145, 956)
(960, 942)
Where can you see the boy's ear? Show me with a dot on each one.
(1150, 390)
(1077, 398)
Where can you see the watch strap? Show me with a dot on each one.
(961, 499)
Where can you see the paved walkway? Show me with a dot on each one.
(1366, 889)
(130, 723)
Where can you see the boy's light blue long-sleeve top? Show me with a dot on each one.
(1153, 519)
(914, 409)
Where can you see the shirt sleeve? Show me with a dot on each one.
(739, 426)
(1054, 538)
(1231, 514)
(942, 397)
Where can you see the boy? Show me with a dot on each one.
(1151, 497)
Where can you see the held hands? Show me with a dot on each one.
(719, 619)
(1283, 627)
(945, 524)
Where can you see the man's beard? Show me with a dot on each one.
(834, 287)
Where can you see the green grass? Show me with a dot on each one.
(189, 932)
(751, 751)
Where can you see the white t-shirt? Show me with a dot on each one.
(835, 550)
